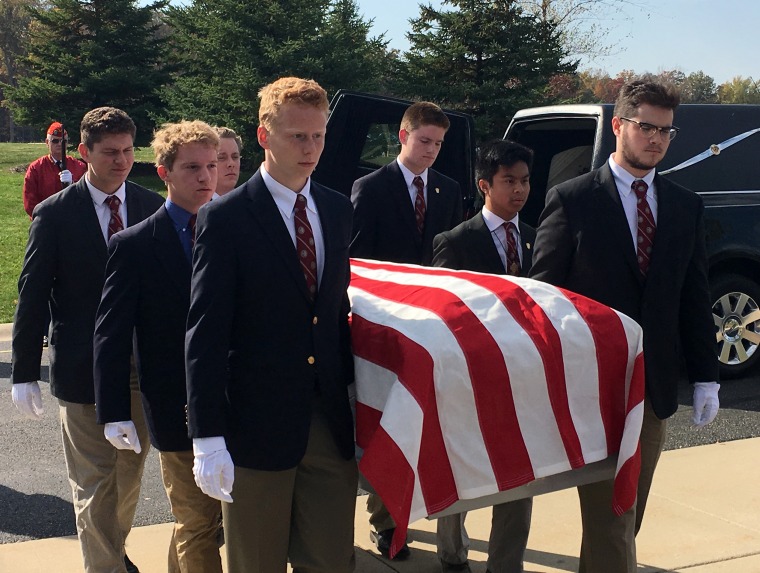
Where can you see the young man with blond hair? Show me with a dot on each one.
(147, 292)
(64, 268)
(273, 433)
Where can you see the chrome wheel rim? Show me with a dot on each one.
(737, 324)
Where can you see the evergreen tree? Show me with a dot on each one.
(485, 57)
(89, 53)
(226, 50)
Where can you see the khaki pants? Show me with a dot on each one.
(609, 542)
(105, 483)
(304, 514)
(510, 526)
(193, 547)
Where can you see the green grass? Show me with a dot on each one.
(14, 226)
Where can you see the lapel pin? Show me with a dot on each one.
(437, 190)
(527, 245)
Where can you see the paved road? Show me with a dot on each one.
(35, 495)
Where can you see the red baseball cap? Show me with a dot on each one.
(56, 129)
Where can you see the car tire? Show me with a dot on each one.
(736, 312)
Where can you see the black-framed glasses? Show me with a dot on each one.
(649, 130)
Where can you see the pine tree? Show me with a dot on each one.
(89, 53)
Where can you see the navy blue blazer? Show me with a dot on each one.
(258, 351)
(469, 246)
(384, 226)
(64, 266)
(584, 244)
(147, 292)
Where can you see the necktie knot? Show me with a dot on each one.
(115, 224)
(418, 183)
(640, 188)
(113, 203)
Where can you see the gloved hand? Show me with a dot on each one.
(706, 403)
(123, 435)
(28, 400)
(213, 468)
(65, 177)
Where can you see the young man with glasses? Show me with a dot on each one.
(46, 176)
(635, 241)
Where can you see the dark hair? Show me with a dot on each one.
(424, 113)
(634, 94)
(500, 152)
(103, 121)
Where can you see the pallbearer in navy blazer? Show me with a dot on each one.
(268, 362)
(147, 294)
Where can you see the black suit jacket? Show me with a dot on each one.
(258, 350)
(147, 291)
(64, 264)
(584, 244)
(469, 246)
(384, 226)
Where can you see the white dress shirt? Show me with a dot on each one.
(623, 180)
(499, 234)
(102, 210)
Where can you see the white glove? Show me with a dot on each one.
(123, 436)
(213, 468)
(706, 403)
(65, 177)
(28, 400)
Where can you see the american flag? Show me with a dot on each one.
(469, 384)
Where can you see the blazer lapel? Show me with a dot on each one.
(527, 250)
(665, 232)
(401, 197)
(265, 211)
(170, 253)
(482, 245)
(90, 225)
(612, 215)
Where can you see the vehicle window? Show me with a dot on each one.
(381, 145)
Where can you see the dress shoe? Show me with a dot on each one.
(131, 567)
(462, 567)
(382, 541)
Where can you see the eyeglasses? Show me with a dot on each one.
(55, 141)
(649, 130)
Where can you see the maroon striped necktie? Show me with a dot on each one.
(115, 224)
(307, 253)
(419, 203)
(513, 258)
(646, 227)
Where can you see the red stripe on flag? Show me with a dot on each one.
(627, 477)
(489, 380)
(612, 359)
(414, 368)
(367, 421)
(393, 480)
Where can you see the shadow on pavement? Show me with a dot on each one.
(36, 516)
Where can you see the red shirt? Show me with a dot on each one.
(41, 179)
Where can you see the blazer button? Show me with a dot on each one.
(310, 360)
(314, 320)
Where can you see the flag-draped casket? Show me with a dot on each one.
(471, 384)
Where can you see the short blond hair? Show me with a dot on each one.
(289, 90)
(171, 136)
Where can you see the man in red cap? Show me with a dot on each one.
(46, 176)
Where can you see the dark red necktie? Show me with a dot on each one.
(513, 258)
(419, 203)
(645, 225)
(307, 252)
(115, 224)
(191, 228)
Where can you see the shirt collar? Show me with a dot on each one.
(285, 198)
(409, 176)
(493, 221)
(177, 214)
(625, 179)
(99, 197)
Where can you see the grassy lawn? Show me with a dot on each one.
(14, 157)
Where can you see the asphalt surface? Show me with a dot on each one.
(35, 498)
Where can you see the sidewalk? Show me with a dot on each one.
(703, 517)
